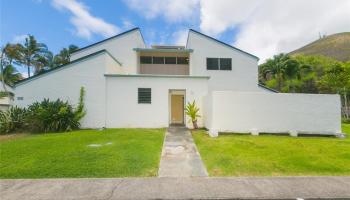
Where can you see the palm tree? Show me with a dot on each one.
(280, 67)
(9, 53)
(10, 75)
(64, 56)
(33, 54)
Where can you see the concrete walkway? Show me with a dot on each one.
(180, 157)
(177, 188)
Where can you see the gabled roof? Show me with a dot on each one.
(223, 43)
(110, 38)
(63, 66)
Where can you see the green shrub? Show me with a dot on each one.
(51, 116)
(12, 120)
(45, 116)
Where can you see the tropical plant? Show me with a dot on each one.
(51, 116)
(33, 54)
(80, 111)
(10, 75)
(12, 120)
(280, 67)
(192, 111)
(45, 116)
(9, 53)
(63, 57)
(55, 116)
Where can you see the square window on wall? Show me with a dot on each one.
(225, 64)
(212, 63)
(158, 60)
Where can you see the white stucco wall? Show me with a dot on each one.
(65, 83)
(244, 112)
(120, 47)
(123, 109)
(244, 73)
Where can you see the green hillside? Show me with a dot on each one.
(336, 46)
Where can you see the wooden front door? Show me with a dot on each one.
(177, 109)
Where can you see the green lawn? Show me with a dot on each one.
(268, 155)
(112, 153)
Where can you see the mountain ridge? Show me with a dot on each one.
(336, 46)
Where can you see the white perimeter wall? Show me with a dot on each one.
(124, 111)
(244, 112)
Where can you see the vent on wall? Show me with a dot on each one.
(144, 95)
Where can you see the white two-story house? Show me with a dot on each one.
(128, 84)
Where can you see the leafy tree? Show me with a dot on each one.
(337, 80)
(10, 75)
(9, 53)
(280, 67)
(33, 54)
(63, 57)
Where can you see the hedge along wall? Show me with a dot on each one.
(246, 112)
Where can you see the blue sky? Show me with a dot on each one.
(52, 26)
(260, 27)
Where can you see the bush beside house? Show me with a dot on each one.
(43, 117)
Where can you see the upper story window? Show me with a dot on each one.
(219, 64)
(182, 60)
(146, 59)
(164, 60)
(158, 60)
(170, 60)
(225, 64)
(212, 63)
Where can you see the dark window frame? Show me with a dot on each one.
(228, 67)
(148, 57)
(144, 95)
(154, 58)
(167, 59)
(213, 67)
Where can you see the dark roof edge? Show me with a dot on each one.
(62, 66)
(235, 48)
(267, 88)
(115, 36)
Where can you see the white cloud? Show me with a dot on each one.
(85, 23)
(180, 37)
(19, 38)
(273, 26)
(127, 24)
(171, 10)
